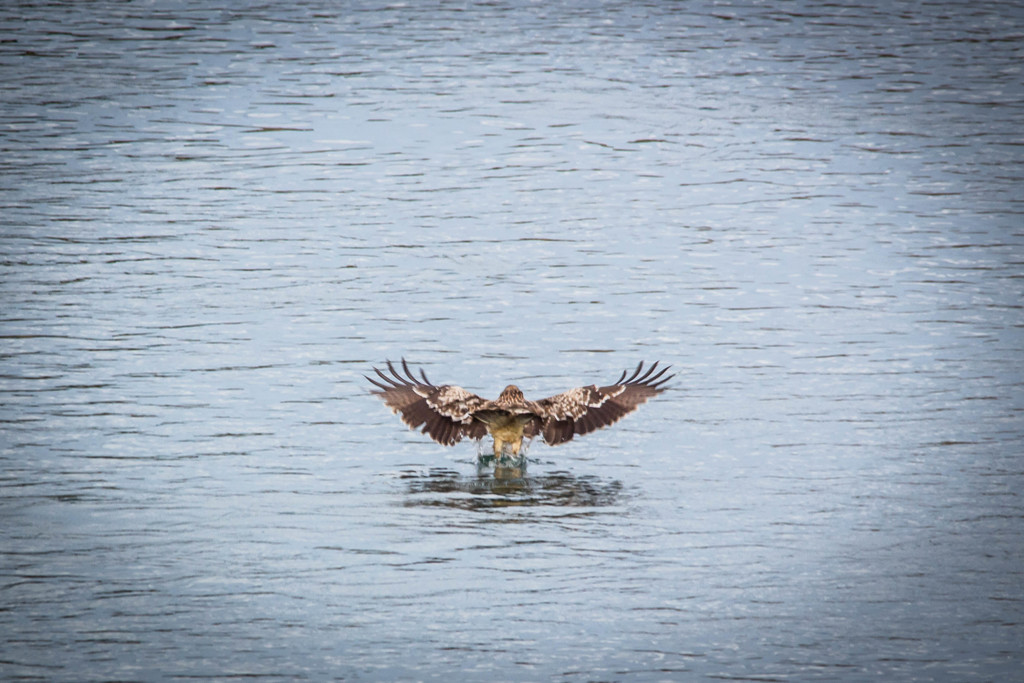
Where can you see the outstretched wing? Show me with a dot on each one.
(585, 409)
(446, 412)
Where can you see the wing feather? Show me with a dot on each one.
(442, 430)
(450, 432)
(583, 410)
(446, 412)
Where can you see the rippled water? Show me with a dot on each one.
(214, 221)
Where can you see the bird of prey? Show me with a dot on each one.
(448, 413)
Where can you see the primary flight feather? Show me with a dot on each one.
(448, 413)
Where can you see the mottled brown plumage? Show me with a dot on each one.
(449, 413)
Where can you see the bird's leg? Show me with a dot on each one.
(499, 444)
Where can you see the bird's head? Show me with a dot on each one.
(511, 396)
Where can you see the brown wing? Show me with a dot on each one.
(585, 409)
(446, 412)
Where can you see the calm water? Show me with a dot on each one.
(214, 221)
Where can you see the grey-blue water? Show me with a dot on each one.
(216, 220)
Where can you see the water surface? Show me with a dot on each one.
(215, 221)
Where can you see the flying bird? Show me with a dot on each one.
(448, 413)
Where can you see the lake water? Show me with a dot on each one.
(216, 221)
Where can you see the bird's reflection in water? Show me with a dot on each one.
(507, 484)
